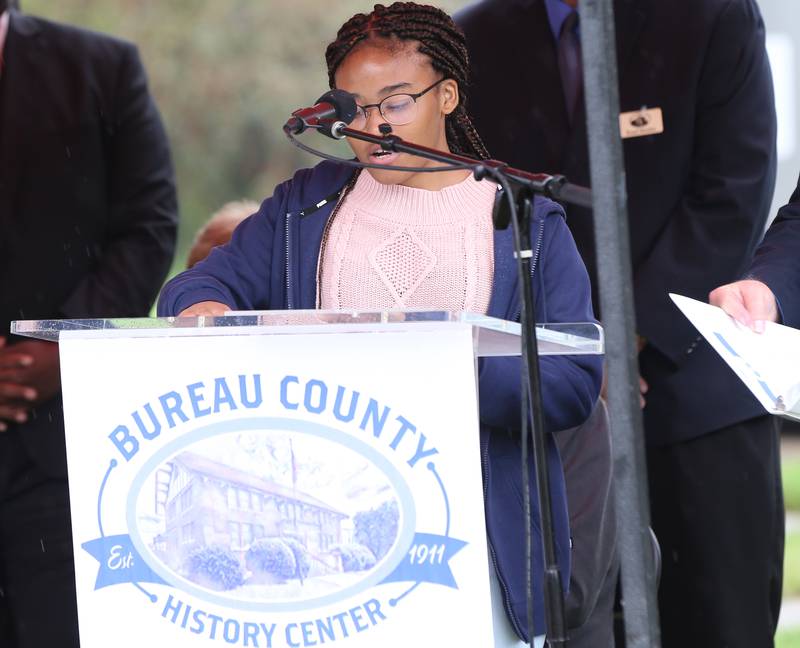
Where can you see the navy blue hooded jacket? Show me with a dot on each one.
(271, 264)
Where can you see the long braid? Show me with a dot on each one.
(342, 197)
(438, 37)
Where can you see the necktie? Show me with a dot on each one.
(569, 63)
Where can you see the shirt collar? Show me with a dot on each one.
(557, 12)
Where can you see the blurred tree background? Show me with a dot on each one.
(225, 74)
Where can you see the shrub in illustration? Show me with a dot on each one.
(377, 528)
(355, 557)
(271, 560)
(301, 557)
(215, 568)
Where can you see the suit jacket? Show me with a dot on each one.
(88, 210)
(698, 194)
(777, 260)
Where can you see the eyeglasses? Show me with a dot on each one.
(396, 109)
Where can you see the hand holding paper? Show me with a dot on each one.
(750, 302)
(766, 362)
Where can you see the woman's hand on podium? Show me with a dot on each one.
(29, 375)
(212, 308)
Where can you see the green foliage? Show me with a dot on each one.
(791, 565)
(273, 556)
(225, 74)
(377, 528)
(788, 638)
(217, 565)
(791, 483)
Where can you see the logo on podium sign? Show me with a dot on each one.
(270, 511)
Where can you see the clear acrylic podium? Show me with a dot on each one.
(492, 336)
(282, 478)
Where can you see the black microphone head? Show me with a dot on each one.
(343, 102)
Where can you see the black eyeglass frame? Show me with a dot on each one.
(362, 110)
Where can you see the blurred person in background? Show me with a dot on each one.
(218, 229)
(88, 216)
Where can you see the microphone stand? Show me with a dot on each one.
(522, 187)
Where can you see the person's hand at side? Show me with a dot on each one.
(749, 301)
(211, 308)
(29, 375)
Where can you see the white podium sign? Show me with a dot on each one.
(276, 491)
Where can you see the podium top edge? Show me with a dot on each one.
(587, 336)
(265, 318)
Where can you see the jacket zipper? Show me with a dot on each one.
(301, 214)
(289, 304)
(506, 594)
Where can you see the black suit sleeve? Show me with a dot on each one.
(777, 260)
(718, 220)
(142, 214)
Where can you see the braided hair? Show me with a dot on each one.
(438, 37)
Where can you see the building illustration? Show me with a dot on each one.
(205, 503)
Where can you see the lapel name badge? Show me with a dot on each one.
(638, 123)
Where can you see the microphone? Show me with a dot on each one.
(334, 106)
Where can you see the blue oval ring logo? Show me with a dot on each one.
(308, 431)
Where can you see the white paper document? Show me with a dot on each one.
(768, 363)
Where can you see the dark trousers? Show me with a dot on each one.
(717, 510)
(37, 574)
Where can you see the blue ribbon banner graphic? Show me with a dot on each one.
(427, 561)
(119, 562)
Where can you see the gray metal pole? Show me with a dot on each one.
(616, 302)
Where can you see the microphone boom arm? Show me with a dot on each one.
(552, 186)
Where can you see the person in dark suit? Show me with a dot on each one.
(88, 216)
(699, 190)
(770, 291)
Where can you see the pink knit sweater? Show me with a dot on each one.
(391, 246)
